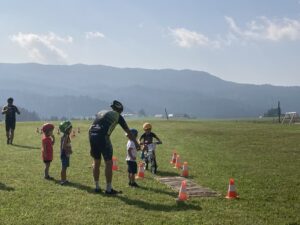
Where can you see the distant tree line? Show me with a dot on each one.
(273, 112)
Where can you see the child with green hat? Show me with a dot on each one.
(65, 149)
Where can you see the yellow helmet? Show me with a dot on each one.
(147, 126)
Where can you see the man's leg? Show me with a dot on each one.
(96, 173)
(108, 174)
(7, 128)
(7, 136)
(12, 134)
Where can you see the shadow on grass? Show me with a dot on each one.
(156, 190)
(3, 187)
(25, 146)
(167, 173)
(78, 186)
(176, 206)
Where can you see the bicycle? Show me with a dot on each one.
(149, 156)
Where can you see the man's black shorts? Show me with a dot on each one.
(100, 145)
(132, 167)
(10, 124)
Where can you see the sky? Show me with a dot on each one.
(243, 41)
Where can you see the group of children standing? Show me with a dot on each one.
(65, 127)
(48, 141)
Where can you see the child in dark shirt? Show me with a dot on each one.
(147, 138)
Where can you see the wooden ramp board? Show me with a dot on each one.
(193, 189)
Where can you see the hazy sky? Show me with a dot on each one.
(247, 41)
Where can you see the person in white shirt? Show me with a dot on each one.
(131, 159)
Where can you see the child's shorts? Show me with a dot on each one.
(65, 161)
(132, 167)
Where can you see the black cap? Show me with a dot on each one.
(117, 106)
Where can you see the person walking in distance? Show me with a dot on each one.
(10, 111)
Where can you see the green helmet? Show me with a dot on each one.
(64, 126)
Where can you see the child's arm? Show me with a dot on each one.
(53, 139)
(157, 138)
(142, 139)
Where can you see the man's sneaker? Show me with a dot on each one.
(64, 182)
(134, 184)
(112, 192)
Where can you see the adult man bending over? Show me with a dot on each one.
(99, 135)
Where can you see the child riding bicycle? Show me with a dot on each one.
(148, 146)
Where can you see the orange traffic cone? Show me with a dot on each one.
(141, 172)
(178, 162)
(185, 172)
(114, 165)
(173, 160)
(231, 190)
(182, 196)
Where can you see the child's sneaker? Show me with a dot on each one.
(134, 184)
(48, 177)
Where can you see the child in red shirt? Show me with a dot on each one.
(47, 147)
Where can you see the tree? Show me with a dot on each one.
(273, 112)
(142, 113)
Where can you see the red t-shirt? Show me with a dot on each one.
(47, 142)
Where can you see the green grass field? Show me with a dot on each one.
(262, 157)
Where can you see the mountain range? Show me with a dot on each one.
(82, 90)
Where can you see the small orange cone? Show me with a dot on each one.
(231, 190)
(182, 196)
(178, 162)
(173, 160)
(185, 171)
(114, 165)
(141, 172)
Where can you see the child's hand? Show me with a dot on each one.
(138, 147)
(53, 139)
